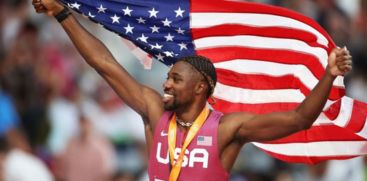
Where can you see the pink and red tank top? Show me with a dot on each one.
(201, 160)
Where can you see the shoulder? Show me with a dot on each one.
(229, 126)
(235, 118)
(155, 107)
(231, 123)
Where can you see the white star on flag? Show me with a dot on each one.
(156, 46)
(182, 45)
(143, 38)
(75, 5)
(155, 29)
(179, 12)
(169, 37)
(153, 13)
(91, 15)
(141, 20)
(160, 57)
(115, 19)
(166, 22)
(168, 54)
(101, 9)
(127, 11)
(129, 29)
(180, 31)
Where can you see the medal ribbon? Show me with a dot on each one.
(172, 129)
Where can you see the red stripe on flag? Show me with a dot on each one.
(263, 108)
(359, 116)
(274, 32)
(333, 111)
(319, 133)
(257, 81)
(306, 159)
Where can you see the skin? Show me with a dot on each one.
(189, 94)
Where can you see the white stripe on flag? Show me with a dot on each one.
(258, 67)
(324, 148)
(250, 96)
(322, 120)
(204, 20)
(345, 113)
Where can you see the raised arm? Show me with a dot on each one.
(142, 99)
(276, 125)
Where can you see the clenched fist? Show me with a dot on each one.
(49, 7)
(339, 62)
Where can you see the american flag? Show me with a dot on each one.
(267, 59)
(204, 140)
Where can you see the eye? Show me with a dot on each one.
(176, 79)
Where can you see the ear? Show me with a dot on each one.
(200, 88)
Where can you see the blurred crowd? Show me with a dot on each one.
(60, 121)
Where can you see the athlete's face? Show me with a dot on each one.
(179, 88)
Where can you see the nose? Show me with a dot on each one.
(167, 84)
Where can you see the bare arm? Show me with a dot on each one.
(142, 99)
(276, 125)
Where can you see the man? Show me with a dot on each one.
(88, 155)
(207, 141)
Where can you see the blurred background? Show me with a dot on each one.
(60, 121)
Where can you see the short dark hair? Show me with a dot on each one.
(205, 67)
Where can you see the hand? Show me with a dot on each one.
(50, 7)
(339, 62)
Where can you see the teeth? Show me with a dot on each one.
(167, 95)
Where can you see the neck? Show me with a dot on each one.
(189, 115)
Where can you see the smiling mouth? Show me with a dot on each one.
(167, 97)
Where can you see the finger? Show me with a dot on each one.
(348, 62)
(347, 69)
(340, 63)
(37, 3)
(344, 58)
(39, 7)
(43, 9)
(332, 55)
(40, 10)
(344, 62)
(342, 52)
(34, 2)
(349, 57)
(346, 50)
